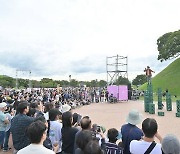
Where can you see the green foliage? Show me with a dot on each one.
(6, 81)
(73, 83)
(169, 79)
(23, 83)
(169, 45)
(35, 84)
(93, 83)
(64, 83)
(122, 81)
(47, 83)
(139, 80)
(102, 83)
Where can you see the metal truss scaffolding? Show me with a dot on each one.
(116, 66)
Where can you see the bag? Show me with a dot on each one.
(151, 147)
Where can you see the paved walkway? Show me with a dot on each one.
(114, 115)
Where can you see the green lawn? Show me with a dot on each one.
(169, 78)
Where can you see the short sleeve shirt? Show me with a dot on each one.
(2, 124)
(140, 147)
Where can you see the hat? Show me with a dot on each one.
(170, 144)
(65, 108)
(3, 104)
(134, 117)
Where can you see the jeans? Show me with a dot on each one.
(2, 133)
(149, 80)
(6, 140)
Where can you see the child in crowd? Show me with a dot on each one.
(111, 146)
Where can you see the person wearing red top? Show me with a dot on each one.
(148, 74)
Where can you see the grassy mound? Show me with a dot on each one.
(169, 78)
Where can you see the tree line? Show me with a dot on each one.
(6, 81)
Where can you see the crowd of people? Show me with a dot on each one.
(42, 121)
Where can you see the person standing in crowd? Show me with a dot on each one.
(9, 114)
(83, 138)
(147, 144)
(16, 101)
(54, 128)
(130, 131)
(85, 124)
(170, 144)
(19, 125)
(36, 132)
(48, 106)
(107, 95)
(3, 123)
(47, 142)
(111, 146)
(39, 109)
(2, 98)
(93, 147)
(68, 133)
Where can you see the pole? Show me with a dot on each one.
(16, 79)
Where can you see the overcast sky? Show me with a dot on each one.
(56, 38)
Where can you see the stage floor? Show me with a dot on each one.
(114, 115)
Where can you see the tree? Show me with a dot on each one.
(47, 83)
(73, 83)
(102, 83)
(169, 45)
(87, 83)
(35, 84)
(93, 83)
(122, 81)
(6, 81)
(64, 83)
(139, 80)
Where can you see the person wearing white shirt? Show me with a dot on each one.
(37, 134)
(147, 144)
(54, 128)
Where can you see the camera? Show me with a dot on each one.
(98, 128)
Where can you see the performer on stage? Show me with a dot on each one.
(148, 74)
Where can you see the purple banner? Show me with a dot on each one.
(123, 93)
(120, 92)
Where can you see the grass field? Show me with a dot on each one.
(169, 78)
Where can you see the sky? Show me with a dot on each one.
(58, 38)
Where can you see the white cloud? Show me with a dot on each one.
(57, 38)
